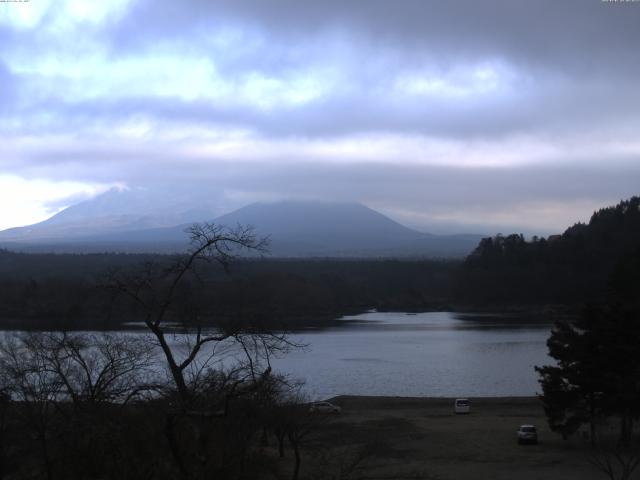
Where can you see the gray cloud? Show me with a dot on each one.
(535, 199)
(572, 33)
(7, 88)
(566, 74)
(573, 63)
(558, 109)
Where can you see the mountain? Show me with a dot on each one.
(295, 229)
(341, 229)
(312, 228)
(114, 211)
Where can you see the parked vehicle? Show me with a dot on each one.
(462, 405)
(527, 434)
(324, 407)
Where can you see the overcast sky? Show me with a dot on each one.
(452, 115)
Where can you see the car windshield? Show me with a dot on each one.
(528, 429)
(462, 403)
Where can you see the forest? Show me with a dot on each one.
(566, 269)
(66, 291)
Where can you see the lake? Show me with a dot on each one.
(435, 354)
(425, 354)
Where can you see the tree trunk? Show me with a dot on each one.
(176, 373)
(280, 437)
(45, 457)
(625, 429)
(174, 447)
(2, 456)
(592, 420)
(296, 452)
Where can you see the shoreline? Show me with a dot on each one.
(398, 402)
(542, 315)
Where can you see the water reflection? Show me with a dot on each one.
(425, 354)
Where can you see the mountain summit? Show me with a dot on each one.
(295, 228)
(315, 228)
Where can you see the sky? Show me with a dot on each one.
(447, 116)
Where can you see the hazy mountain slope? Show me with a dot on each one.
(328, 226)
(317, 229)
(335, 229)
(296, 229)
(114, 211)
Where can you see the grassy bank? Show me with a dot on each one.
(423, 438)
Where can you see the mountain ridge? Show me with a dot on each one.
(296, 229)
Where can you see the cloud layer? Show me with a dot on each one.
(442, 114)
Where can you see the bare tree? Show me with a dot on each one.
(5, 401)
(65, 387)
(348, 463)
(28, 381)
(91, 368)
(155, 289)
(291, 419)
(74, 390)
(617, 462)
(176, 294)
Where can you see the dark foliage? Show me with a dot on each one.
(80, 406)
(51, 291)
(597, 375)
(562, 269)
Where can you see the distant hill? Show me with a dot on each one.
(295, 228)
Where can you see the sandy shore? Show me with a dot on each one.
(422, 438)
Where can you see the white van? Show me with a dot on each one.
(527, 434)
(462, 405)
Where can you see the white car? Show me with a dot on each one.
(527, 434)
(462, 405)
(324, 407)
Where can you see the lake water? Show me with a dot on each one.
(424, 354)
(436, 354)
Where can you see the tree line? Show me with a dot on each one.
(44, 291)
(564, 269)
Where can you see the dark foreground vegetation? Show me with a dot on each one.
(83, 406)
(595, 380)
(596, 377)
(117, 406)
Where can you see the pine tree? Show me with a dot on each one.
(597, 374)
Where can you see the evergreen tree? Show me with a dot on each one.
(598, 360)
(572, 389)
